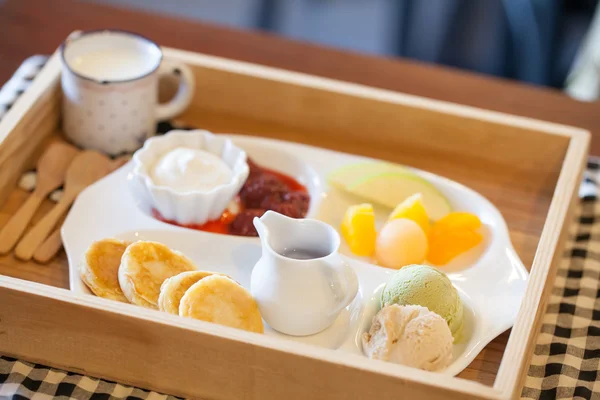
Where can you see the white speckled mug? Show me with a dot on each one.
(110, 90)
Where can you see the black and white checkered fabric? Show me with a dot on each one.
(566, 359)
(19, 82)
(24, 380)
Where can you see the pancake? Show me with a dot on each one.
(145, 266)
(221, 300)
(99, 268)
(173, 289)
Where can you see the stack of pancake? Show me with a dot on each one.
(151, 275)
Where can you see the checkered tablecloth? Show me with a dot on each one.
(567, 354)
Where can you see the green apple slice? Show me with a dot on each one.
(391, 188)
(349, 174)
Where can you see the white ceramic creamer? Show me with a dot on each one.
(301, 283)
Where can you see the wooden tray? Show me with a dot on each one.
(529, 169)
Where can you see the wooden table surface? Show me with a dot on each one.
(38, 27)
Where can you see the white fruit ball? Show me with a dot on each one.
(401, 242)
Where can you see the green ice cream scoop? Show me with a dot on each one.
(428, 287)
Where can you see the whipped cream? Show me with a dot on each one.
(184, 170)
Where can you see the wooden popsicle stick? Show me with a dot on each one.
(52, 245)
(51, 170)
(36, 236)
(49, 248)
(87, 167)
(14, 228)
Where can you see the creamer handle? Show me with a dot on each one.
(350, 280)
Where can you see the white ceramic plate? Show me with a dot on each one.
(491, 279)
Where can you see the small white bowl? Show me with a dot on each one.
(193, 207)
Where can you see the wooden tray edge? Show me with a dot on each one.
(513, 368)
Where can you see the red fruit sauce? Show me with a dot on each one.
(222, 224)
(290, 182)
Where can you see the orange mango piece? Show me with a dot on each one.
(458, 220)
(358, 229)
(453, 235)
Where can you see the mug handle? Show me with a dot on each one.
(183, 97)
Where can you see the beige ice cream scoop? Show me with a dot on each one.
(411, 336)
